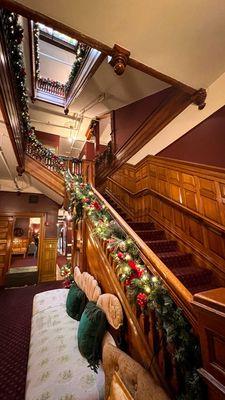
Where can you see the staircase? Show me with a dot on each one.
(182, 264)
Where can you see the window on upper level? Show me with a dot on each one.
(57, 37)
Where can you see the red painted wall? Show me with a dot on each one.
(129, 118)
(10, 202)
(204, 144)
(48, 139)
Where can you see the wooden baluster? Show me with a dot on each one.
(161, 351)
(172, 368)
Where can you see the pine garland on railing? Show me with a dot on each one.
(36, 33)
(81, 52)
(13, 33)
(35, 149)
(143, 289)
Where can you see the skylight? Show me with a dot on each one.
(57, 35)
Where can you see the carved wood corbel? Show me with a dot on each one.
(120, 58)
(199, 97)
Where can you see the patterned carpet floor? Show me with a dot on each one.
(15, 324)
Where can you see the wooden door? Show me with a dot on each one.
(6, 225)
(47, 260)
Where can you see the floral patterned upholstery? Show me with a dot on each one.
(56, 370)
(49, 299)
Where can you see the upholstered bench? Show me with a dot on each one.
(56, 369)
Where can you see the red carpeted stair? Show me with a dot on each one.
(183, 266)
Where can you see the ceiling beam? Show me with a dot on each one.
(198, 95)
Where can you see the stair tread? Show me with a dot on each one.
(160, 241)
(149, 230)
(201, 288)
(191, 270)
(173, 254)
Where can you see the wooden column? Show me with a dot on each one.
(210, 311)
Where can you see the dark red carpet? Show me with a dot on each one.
(23, 262)
(15, 324)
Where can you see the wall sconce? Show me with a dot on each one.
(46, 220)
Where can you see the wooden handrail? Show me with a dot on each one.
(196, 215)
(181, 295)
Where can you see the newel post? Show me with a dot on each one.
(210, 310)
(88, 172)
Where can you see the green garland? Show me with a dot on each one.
(143, 289)
(36, 34)
(13, 33)
(81, 52)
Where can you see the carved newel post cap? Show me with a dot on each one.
(119, 60)
(199, 97)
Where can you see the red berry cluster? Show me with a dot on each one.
(142, 300)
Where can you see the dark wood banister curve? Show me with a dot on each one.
(181, 295)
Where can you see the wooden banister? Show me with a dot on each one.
(179, 292)
(47, 177)
(210, 311)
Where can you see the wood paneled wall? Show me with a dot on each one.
(185, 198)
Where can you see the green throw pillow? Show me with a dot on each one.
(75, 302)
(91, 330)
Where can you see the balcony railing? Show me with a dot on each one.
(52, 87)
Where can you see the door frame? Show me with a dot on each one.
(42, 216)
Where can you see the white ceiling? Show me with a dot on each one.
(118, 91)
(178, 38)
